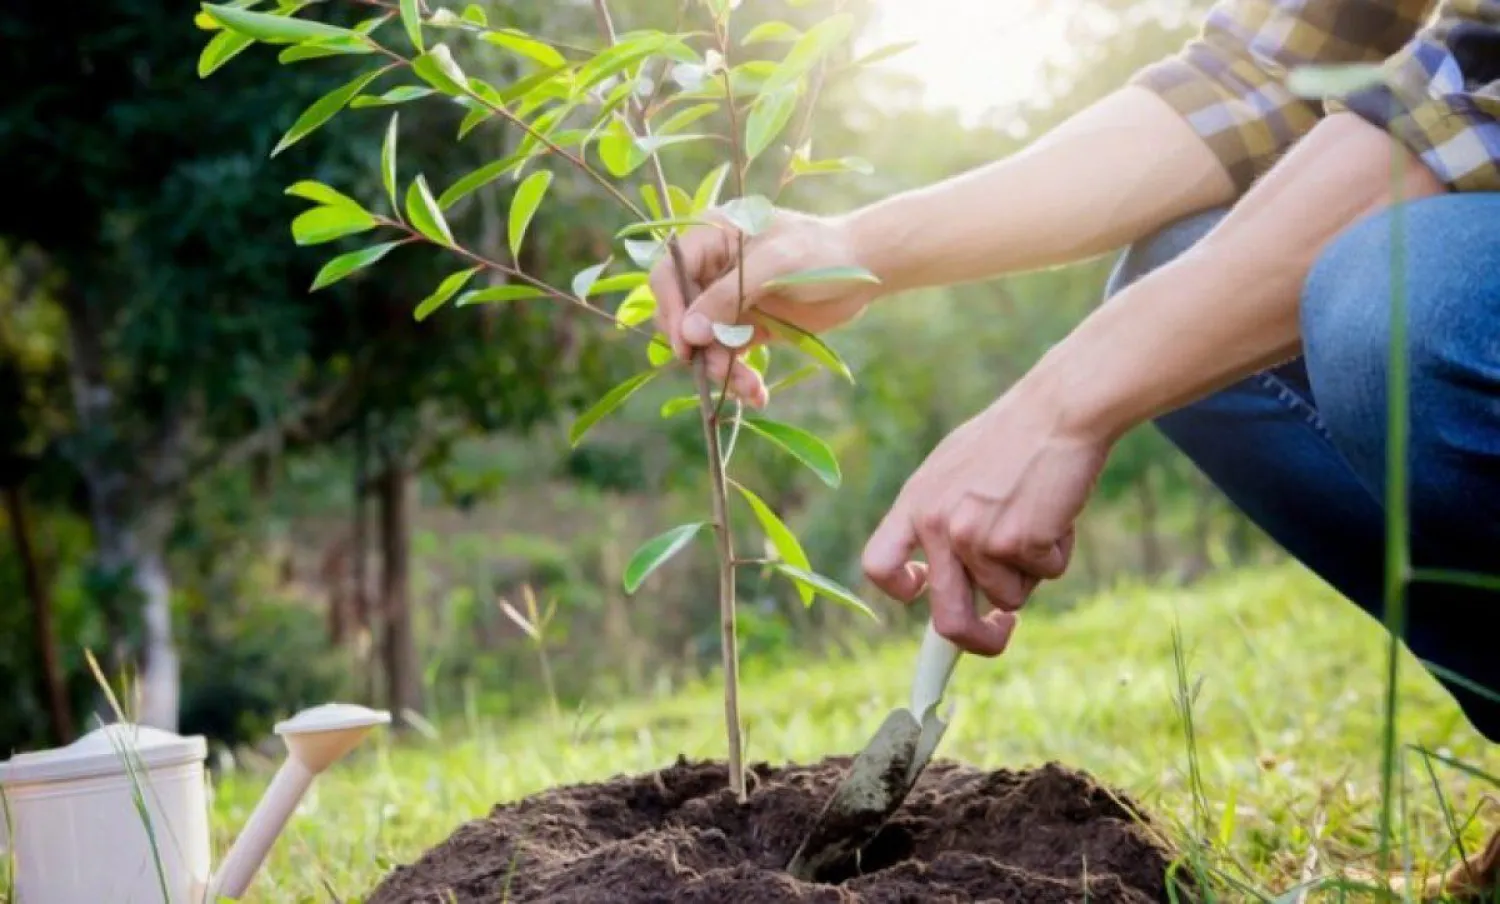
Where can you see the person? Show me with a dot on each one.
(1248, 317)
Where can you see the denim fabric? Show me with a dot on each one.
(1300, 448)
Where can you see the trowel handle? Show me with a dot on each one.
(935, 664)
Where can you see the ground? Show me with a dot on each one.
(1287, 689)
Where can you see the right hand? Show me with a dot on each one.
(793, 242)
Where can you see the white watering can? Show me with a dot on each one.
(77, 836)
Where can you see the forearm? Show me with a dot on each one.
(1229, 306)
(1111, 174)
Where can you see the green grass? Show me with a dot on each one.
(1287, 688)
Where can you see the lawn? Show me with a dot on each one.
(1287, 716)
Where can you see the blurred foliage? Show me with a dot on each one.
(151, 214)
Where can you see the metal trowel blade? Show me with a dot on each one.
(874, 787)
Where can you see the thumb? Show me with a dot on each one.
(719, 303)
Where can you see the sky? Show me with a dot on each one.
(973, 54)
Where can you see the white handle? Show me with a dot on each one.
(249, 852)
(935, 664)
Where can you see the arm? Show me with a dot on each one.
(1229, 306)
(1118, 170)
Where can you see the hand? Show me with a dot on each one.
(793, 242)
(993, 509)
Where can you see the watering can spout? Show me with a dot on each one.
(315, 739)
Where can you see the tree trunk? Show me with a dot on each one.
(1151, 552)
(53, 689)
(402, 674)
(364, 616)
(129, 532)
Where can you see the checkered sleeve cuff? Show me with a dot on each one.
(1247, 117)
(1441, 96)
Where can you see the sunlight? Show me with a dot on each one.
(973, 55)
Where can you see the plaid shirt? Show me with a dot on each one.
(1441, 95)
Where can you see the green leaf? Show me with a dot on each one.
(617, 148)
(344, 264)
(674, 407)
(1320, 82)
(317, 50)
(793, 378)
(782, 539)
(734, 335)
(270, 28)
(659, 350)
(499, 294)
(825, 587)
(437, 68)
(388, 163)
(883, 53)
(770, 31)
(324, 224)
(653, 201)
(751, 214)
(767, 118)
(476, 180)
(682, 202)
(685, 117)
(637, 308)
(804, 167)
(322, 194)
(323, 109)
(650, 144)
(523, 207)
(758, 359)
(474, 14)
(445, 18)
(585, 279)
(644, 253)
(810, 345)
(399, 95)
(411, 17)
(626, 53)
(223, 47)
(656, 551)
(423, 213)
(612, 400)
(445, 290)
(801, 445)
(823, 275)
(527, 46)
(667, 223)
(708, 190)
(619, 283)
(809, 49)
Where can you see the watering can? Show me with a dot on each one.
(121, 814)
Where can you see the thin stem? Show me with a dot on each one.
(719, 490)
(560, 295)
(739, 181)
(500, 110)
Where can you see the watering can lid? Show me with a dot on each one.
(105, 751)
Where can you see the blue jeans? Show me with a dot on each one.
(1300, 449)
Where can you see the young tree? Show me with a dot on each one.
(612, 111)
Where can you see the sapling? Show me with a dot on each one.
(608, 111)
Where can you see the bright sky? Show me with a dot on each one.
(973, 54)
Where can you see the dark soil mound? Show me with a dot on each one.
(1048, 835)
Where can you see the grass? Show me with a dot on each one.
(1283, 682)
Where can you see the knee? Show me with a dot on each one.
(1160, 248)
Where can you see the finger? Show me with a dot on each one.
(1044, 560)
(887, 557)
(701, 249)
(950, 595)
(721, 302)
(743, 382)
(1006, 588)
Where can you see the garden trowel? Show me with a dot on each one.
(884, 772)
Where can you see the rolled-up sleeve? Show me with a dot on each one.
(1229, 83)
(1441, 95)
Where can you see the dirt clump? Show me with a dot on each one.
(964, 835)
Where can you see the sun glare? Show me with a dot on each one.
(972, 55)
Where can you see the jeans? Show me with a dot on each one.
(1300, 448)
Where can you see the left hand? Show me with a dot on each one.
(993, 509)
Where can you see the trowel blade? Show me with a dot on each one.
(933, 729)
(874, 787)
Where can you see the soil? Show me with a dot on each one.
(964, 835)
